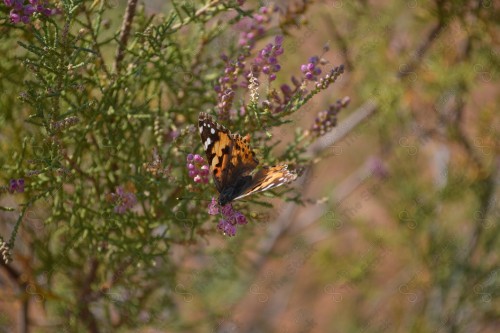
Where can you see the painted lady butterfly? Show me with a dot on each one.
(232, 162)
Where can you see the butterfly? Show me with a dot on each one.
(232, 163)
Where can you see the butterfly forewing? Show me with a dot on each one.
(217, 142)
(242, 155)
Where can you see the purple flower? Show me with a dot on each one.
(16, 4)
(16, 185)
(29, 10)
(123, 200)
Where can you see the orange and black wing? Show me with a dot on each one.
(268, 178)
(218, 144)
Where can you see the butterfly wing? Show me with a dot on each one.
(268, 178)
(218, 143)
(243, 157)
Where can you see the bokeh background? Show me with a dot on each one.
(398, 230)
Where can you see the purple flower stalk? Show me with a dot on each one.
(324, 82)
(230, 217)
(254, 27)
(124, 200)
(16, 185)
(327, 119)
(197, 169)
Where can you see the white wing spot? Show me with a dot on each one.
(212, 131)
(207, 143)
(201, 129)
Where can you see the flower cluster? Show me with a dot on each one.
(197, 168)
(5, 251)
(267, 59)
(22, 12)
(227, 85)
(266, 62)
(231, 218)
(327, 119)
(16, 185)
(123, 200)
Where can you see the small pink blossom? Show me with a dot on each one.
(197, 169)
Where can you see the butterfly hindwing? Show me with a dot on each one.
(268, 178)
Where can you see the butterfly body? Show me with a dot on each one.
(232, 163)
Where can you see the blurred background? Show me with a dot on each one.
(399, 228)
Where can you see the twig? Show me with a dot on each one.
(23, 315)
(489, 188)
(340, 40)
(86, 316)
(198, 14)
(125, 32)
(417, 57)
(95, 43)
